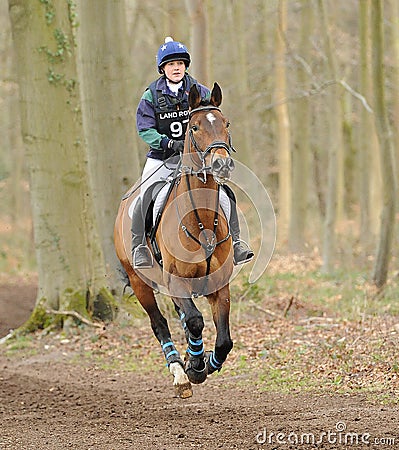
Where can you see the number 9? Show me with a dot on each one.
(176, 129)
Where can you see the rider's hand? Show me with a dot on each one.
(176, 146)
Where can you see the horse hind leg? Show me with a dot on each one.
(161, 331)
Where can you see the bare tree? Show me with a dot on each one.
(301, 155)
(238, 61)
(334, 148)
(365, 121)
(394, 39)
(11, 152)
(69, 255)
(283, 124)
(108, 113)
(199, 39)
(387, 223)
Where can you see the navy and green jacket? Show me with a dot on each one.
(162, 115)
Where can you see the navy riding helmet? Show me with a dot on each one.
(172, 51)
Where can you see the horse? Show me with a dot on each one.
(195, 245)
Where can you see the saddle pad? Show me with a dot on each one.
(223, 199)
(159, 201)
(131, 207)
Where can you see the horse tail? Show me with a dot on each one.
(123, 276)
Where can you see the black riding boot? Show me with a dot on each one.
(141, 254)
(242, 253)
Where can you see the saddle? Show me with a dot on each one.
(153, 203)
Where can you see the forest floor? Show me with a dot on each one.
(301, 375)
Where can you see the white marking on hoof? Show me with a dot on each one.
(180, 381)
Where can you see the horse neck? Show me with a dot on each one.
(204, 195)
(197, 183)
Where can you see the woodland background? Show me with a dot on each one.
(310, 87)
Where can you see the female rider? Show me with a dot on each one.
(162, 118)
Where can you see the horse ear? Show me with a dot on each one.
(194, 97)
(216, 95)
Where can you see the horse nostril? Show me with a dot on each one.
(217, 165)
(223, 166)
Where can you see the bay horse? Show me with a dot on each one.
(194, 240)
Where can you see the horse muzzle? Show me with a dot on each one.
(221, 169)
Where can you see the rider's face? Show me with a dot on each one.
(174, 70)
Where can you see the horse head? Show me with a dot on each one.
(208, 140)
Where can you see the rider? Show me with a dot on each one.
(162, 118)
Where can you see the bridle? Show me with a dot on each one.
(201, 173)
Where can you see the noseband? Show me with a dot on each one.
(202, 154)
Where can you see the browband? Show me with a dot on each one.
(203, 108)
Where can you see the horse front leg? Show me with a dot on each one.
(193, 324)
(220, 304)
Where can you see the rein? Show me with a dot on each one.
(210, 245)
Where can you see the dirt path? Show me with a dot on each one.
(47, 403)
(17, 299)
(51, 400)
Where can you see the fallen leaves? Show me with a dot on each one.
(298, 331)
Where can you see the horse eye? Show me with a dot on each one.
(227, 124)
(195, 128)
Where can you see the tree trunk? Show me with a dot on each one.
(334, 149)
(283, 125)
(199, 41)
(387, 221)
(349, 157)
(171, 19)
(365, 135)
(300, 157)
(69, 256)
(240, 94)
(108, 113)
(394, 15)
(210, 9)
(11, 149)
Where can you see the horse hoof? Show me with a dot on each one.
(184, 390)
(181, 383)
(196, 376)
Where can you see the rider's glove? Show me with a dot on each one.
(176, 146)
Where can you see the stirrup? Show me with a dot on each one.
(142, 257)
(244, 248)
